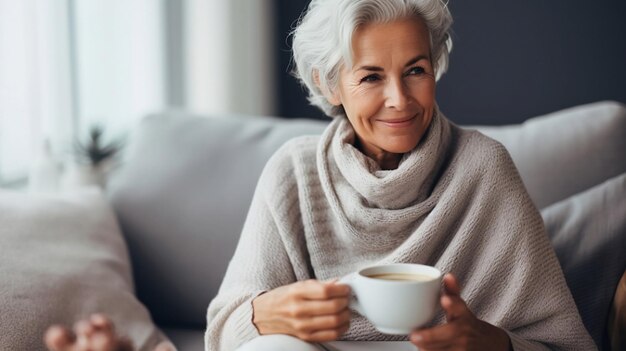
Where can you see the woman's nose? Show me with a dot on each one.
(397, 95)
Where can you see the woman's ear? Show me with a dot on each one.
(331, 97)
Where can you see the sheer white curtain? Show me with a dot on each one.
(119, 61)
(35, 98)
(66, 65)
(229, 54)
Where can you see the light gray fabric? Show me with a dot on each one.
(370, 346)
(563, 153)
(193, 340)
(278, 342)
(289, 343)
(181, 198)
(63, 258)
(588, 232)
(322, 210)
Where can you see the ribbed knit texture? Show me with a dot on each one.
(322, 210)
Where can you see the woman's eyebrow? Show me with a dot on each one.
(370, 68)
(380, 69)
(416, 59)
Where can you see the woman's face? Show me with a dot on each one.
(389, 92)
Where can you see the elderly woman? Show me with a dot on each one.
(390, 180)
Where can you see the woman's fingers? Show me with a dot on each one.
(331, 321)
(83, 329)
(439, 337)
(451, 285)
(302, 308)
(58, 338)
(316, 290)
(463, 331)
(102, 342)
(320, 312)
(451, 301)
(102, 322)
(326, 334)
(323, 307)
(103, 336)
(94, 334)
(461, 334)
(454, 307)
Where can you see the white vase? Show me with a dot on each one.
(44, 171)
(81, 176)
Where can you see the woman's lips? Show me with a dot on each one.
(398, 122)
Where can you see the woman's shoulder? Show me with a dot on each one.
(477, 141)
(481, 150)
(301, 144)
(290, 156)
(295, 149)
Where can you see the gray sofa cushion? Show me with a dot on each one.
(588, 232)
(563, 153)
(181, 199)
(63, 258)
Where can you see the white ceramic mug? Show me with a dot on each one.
(396, 306)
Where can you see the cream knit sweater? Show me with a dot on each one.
(323, 210)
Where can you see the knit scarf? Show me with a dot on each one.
(370, 201)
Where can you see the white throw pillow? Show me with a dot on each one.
(63, 258)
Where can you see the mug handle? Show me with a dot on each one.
(354, 302)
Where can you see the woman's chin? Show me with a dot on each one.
(400, 146)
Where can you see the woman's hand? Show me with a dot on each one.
(463, 331)
(310, 310)
(97, 333)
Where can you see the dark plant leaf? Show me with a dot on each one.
(93, 151)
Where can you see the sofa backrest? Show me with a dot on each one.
(184, 189)
(181, 197)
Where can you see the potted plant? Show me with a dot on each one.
(93, 160)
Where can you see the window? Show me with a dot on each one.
(66, 65)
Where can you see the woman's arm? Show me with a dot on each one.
(259, 264)
(268, 288)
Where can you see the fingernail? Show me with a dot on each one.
(416, 337)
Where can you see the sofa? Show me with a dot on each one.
(170, 218)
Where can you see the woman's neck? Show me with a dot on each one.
(385, 160)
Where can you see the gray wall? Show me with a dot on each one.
(511, 59)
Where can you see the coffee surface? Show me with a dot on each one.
(402, 277)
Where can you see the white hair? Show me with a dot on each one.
(322, 40)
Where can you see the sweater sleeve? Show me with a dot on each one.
(250, 271)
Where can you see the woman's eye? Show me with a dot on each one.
(370, 78)
(416, 71)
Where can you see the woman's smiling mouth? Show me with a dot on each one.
(401, 122)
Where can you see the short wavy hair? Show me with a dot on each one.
(322, 39)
